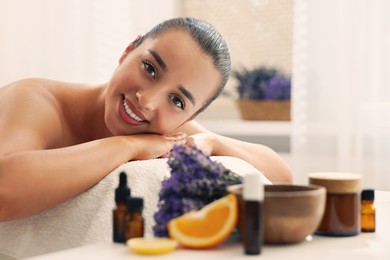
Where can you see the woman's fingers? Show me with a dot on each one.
(177, 138)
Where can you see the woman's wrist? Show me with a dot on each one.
(214, 143)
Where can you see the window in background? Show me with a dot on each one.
(341, 89)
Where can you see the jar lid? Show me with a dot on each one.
(337, 182)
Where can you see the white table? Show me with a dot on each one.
(367, 246)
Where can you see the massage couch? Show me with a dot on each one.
(87, 218)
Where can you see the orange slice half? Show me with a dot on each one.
(207, 227)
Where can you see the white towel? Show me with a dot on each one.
(87, 218)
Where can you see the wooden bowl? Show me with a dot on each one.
(291, 212)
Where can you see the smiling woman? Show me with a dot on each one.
(145, 108)
(165, 75)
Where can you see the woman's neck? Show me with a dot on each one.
(94, 113)
(84, 112)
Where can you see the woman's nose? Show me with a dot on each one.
(148, 99)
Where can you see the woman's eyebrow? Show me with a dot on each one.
(162, 64)
(187, 94)
(158, 59)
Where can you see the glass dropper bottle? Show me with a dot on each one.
(367, 211)
(120, 211)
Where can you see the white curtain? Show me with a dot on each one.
(341, 89)
(72, 40)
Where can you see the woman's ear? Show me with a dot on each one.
(129, 48)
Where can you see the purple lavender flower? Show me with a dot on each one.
(195, 181)
(262, 83)
(277, 88)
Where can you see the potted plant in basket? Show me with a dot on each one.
(264, 94)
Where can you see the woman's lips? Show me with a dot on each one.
(129, 114)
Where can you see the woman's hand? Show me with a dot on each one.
(203, 141)
(150, 146)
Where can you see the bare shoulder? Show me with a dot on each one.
(30, 117)
(31, 91)
(30, 87)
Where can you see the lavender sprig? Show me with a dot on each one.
(263, 83)
(195, 181)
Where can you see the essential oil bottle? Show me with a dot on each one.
(134, 219)
(119, 213)
(253, 196)
(367, 218)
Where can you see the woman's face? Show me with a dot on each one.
(159, 85)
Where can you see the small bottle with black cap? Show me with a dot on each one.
(367, 218)
(134, 219)
(119, 213)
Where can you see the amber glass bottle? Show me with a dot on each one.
(134, 219)
(120, 211)
(368, 211)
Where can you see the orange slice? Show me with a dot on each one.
(207, 227)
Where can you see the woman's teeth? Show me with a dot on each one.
(130, 113)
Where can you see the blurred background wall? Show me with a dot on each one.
(337, 52)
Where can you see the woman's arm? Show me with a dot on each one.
(261, 157)
(32, 181)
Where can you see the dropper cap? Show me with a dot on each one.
(253, 187)
(135, 204)
(368, 194)
(123, 191)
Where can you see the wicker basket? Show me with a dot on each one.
(264, 109)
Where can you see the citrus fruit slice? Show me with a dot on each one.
(207, 227)
(151, 246)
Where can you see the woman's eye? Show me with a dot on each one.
(150, 69)
(177, 101)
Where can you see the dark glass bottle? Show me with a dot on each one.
(367, 211)
(253, 195)
(134, 219)
(120, 211)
